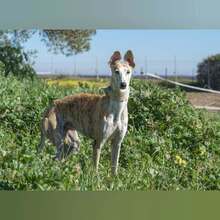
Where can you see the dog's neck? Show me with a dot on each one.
(117, 96)
(117, 102)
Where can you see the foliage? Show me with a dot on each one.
(1, 67)
(67, 42)
(15, 61)
(169, 145)
(209, 72)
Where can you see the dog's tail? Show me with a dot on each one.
(43, 129)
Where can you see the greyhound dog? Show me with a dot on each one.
(100, 117)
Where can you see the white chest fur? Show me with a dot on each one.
(116, 109)
(116, 119)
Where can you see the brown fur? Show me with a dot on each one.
(82, 111)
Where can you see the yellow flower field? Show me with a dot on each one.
(67, 83)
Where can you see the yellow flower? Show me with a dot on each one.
(202, 151)
(183, 163)
(180, 161)
(177, 158)
(75, 82)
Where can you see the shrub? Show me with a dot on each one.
(168, 113)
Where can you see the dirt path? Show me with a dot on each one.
(205, 100)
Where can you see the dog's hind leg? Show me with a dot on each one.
(71, 142)
(42, 142)
(58, 141)
(56, 136)
(44, 127)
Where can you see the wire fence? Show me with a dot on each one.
(99, 66)
(182, 84)
(175, 68)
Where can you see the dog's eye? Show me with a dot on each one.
(117, 71)
(128, 72)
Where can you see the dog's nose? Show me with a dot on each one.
(123, 85)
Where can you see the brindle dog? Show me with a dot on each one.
(100, 117)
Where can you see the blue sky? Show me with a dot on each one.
(154, 50)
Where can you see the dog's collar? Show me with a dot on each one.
(122, 97)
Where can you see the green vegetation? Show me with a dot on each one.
(169, 145)
(209, 72)
(15, 61)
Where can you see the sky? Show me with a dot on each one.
(155, 51)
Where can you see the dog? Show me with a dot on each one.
(100, 117)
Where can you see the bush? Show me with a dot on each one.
(209, 72)
(15, 61)
(169, 145)
(169, 114)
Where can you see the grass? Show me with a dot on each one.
(169, 145)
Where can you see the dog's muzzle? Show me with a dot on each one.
(123, 85)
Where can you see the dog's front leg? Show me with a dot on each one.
(97, 147)
(116, 147)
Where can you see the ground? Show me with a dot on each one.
(204, 99)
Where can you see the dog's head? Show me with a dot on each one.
(121, 71)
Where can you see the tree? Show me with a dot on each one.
(13, 60)
(67, 42)
(209, 72)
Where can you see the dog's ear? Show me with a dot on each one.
(129, 58)
(115, 57)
